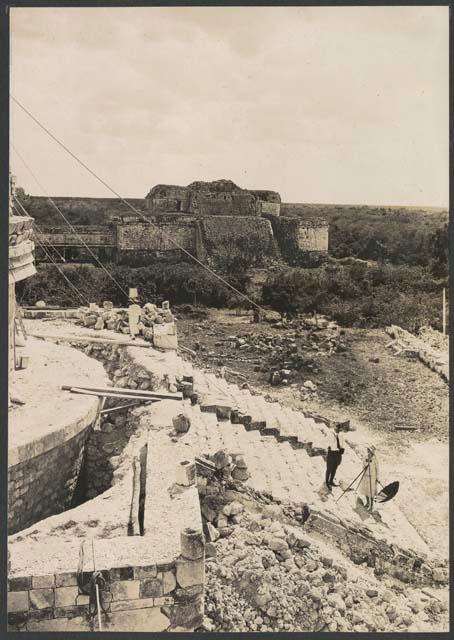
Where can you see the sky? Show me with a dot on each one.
(346, 105)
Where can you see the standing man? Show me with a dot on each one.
(334, 457)
(369, 482)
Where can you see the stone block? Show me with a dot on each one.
(20, 584)
(82, 599)
(192, 543)
(66, 596)
(140, 573)
(163, 601)
(168, 581)
(18, 618)
(41, 598)
(149, 620)
(184, 596)
(70, 612)
(129, 605)
(125, 590)
(43, 582)
(60, 624)
(151, 588)
(189, 616)
(185, 473)
(66, 579)
(190, 572)
(122, 573)
(181, 423)
(18, 601)
(165, 566)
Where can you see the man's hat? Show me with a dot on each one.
(371, 448)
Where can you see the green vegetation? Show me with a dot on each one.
(360, 295)
(179, 283)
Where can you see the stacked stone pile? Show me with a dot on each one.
(123, 371)
(435, 339)
(406, 342)
(106, 317)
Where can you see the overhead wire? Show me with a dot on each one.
(35, 224)
(72, 286)
(53, 203)
(136, 211)
(54, 248)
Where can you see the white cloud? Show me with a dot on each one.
(322, 104)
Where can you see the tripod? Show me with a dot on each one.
(360, 477)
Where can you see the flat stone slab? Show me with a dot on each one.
(50, 416)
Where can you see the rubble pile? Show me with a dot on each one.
(264, 572)
(435, 339)
(406, 344)
(280, 355)
(269, 577)
(106, 317)
(124, 373)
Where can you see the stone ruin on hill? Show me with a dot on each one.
(202, 218)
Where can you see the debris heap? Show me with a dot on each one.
(156, 324)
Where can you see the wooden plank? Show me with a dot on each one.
(133, 393)
(405, 427)
(75, 338)
(108, 395)
(123, 406)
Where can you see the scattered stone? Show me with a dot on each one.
(181, 423)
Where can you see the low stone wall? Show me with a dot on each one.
(142, 597)
(436, 360)
(45, 484)
(153, 582)
(363, 548)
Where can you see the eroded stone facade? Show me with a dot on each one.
(186, 218)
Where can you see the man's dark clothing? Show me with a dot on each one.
(333, 460)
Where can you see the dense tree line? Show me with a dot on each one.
(360, 295)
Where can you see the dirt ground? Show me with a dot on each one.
(363, 382)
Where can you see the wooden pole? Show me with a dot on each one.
(99, 607)
(132, 393)
(76, 338)
(444, 311)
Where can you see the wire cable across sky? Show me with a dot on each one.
(136, 211)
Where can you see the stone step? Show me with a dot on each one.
(258, 419)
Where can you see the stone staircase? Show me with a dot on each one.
(283, 448)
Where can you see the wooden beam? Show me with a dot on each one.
(124, 406)
(75, 338)
(131, 393)
(104, 394)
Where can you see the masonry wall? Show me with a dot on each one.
(228, 204)
(312, 236)
(143, 598)
(91, 235)
(270, 208)
(295, 236)
(225, 233)
(45, 484)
